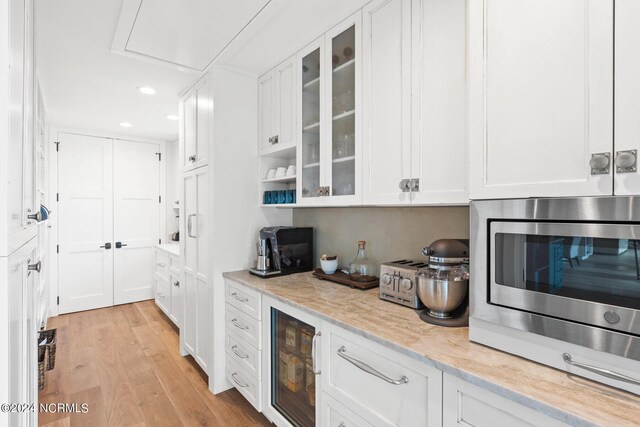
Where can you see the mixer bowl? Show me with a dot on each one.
(441, 296)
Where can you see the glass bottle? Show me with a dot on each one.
(362, 269)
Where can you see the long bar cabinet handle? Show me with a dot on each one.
(600, 371)
(342, 352)
(314, 352)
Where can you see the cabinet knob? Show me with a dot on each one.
(176, 284)
(36, 216)
(626, 161)
(414, 184)
(600, 163)
(192, 159)
(35, 267)
(404, 185)
(274, 140)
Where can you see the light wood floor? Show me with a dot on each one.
(124, 361)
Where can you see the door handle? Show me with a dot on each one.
(190, 225)
(120, 244)
(342, 352)
(35, 267)
(106, 245)
(600, 371)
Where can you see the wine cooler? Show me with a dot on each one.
(293, 371)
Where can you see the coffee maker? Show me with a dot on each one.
(284, 250)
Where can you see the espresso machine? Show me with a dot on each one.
(284, 250)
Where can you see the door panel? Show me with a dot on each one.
(136, 178)
(204, 110)
(85, 222)
(266, 101)
(285, 102)
(540, 100)
(188, 134)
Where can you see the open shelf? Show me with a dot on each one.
(278, 205)
(345, 114)
(347, 64)
(281, 180)
(311, 83)
(311, 165)
(311, 127)
(344, 159)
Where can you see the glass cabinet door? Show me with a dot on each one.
(311, 123)
(343, 112)
(293, 388)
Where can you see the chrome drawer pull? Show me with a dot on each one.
(314, 350)
(368, 369)
(601, 371)
(235, 295)
(235, 379)
(234, 348)
(238, 325)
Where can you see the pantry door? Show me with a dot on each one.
(136, 225)
(85, 222)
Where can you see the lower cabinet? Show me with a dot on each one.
(300, 370)
(168, 293)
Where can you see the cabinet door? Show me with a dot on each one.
(440, 153)
(204, 121)
(386, 101)
(285, 75)
(627, 97)
(343, 154)
(188, 131)
(310, 129)
(540, 97)
(266, 111)
(177, 303)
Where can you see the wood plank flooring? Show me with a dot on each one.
(124, 361)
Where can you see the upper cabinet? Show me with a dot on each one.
(196, 109)
(276, 111)
(541, 96)
(328, 131)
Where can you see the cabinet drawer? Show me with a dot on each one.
(245, 355)
(163, 296)
(377, 382)
(244, 299)
(245, 326)
(174, 265)
(471, 406)
(247, 385)
(162, 263)
(334, 414)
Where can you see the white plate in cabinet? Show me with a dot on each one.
(245, 326)
(378, 384)
(246, 384)
(244, 354)
(467, 405)
(335, 414)
(245, 300)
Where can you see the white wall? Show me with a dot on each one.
(173, 185)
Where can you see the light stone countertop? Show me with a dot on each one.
(570, 399)
(172, 248)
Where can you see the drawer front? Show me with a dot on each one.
(244, 326)
(174, 265)
(374, 380)
(245, 383)
(163, 296)
(471, 406)
(245, 355)
(334, 414)
(162, 264)
(245, 299)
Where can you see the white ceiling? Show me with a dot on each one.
(86, 86)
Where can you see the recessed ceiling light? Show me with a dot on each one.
(147, 90)
(172, 117)
(125, 124)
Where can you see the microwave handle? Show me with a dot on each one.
(601, 371)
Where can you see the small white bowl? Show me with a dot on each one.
(329, 266)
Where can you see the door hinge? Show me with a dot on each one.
(159, 156)
(57, 249)
(58, 300)
(159, 199)
(57, 145)
(57, 197)
(159, 241)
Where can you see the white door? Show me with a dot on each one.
(85, 222)
(627, 99)
(540, 97)
(386, 100)
(136, 218)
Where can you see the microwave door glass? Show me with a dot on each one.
(588, 268)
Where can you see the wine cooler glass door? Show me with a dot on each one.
(293, 389)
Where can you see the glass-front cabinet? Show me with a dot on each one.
(292, 349)
(329, 129)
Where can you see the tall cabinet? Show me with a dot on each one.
(196, 109)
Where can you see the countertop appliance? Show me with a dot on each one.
(284, 250)
(443, 285)
(398, 282)
(558, 281)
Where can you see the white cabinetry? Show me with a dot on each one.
(195, 334)
(196, 109)
(467, 405)
(168, 292)
(414, 149)
(276, 111)
(541, 97)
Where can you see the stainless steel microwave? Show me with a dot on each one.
(558, 281)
